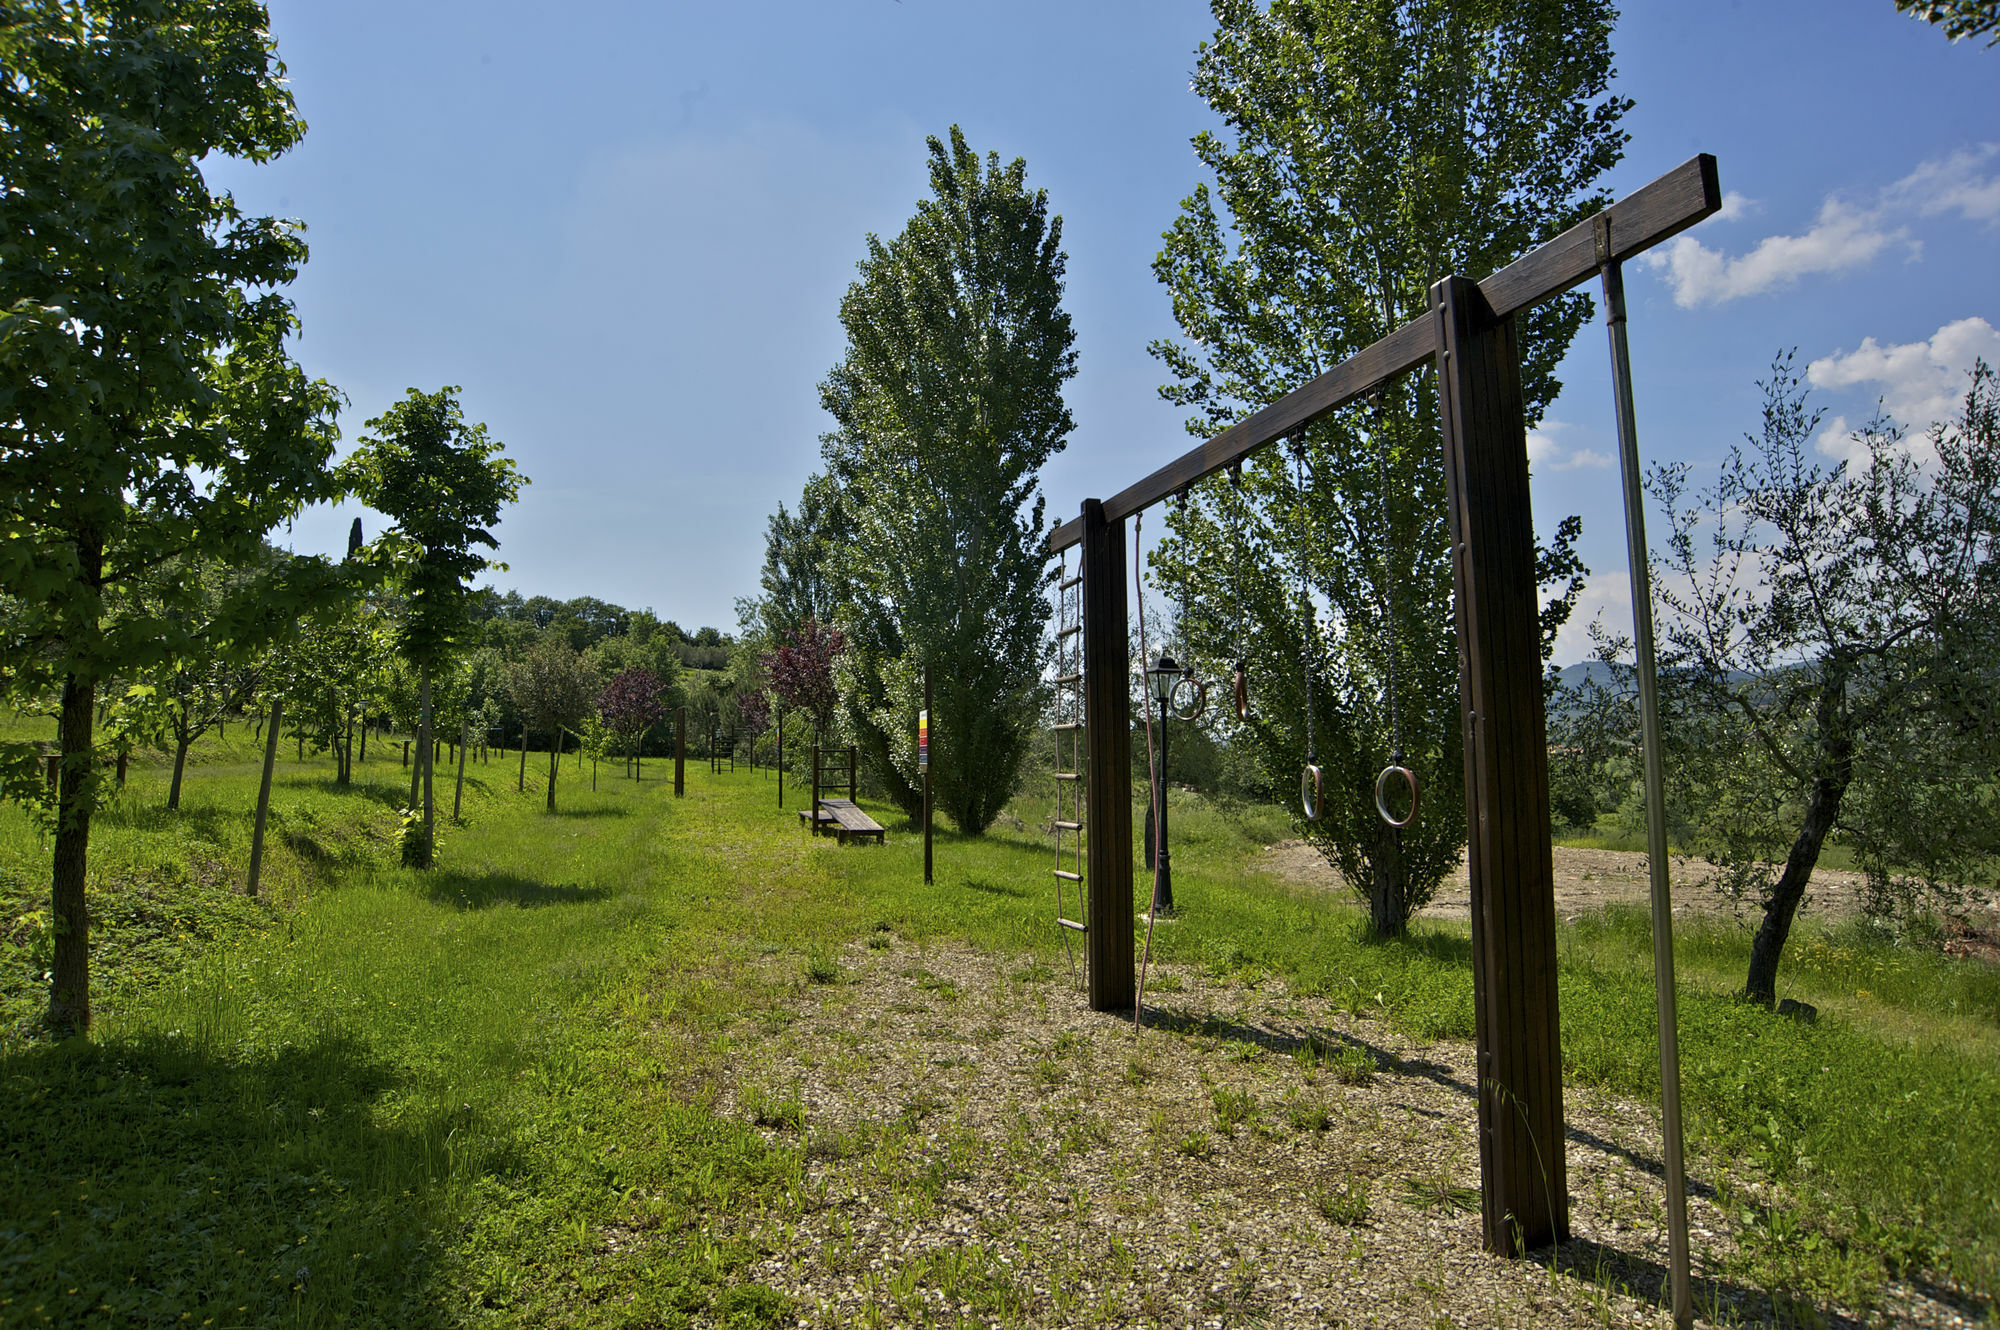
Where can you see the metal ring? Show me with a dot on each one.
(1309, 792)
(1382, 795)
(1242, 693)
(1181, 712)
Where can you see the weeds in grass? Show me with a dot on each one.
(1232, 1107)
(821, 967)
(1137, 1071)
(878, 941)
(1435, 1191)
(1353, 1065)
(1196, 1144)
(787, 1113)
(1346, 1204)
(1305, 1114)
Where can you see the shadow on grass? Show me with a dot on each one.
(484, 891)
(602, 810)
(161, 1184)
(993, 888)
(1721, 1300)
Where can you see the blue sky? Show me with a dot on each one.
(625, 228)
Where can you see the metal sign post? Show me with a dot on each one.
(924, 765)
(1656, 804)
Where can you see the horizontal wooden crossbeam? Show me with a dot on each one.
(1657, 212)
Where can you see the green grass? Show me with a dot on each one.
(465, 1095)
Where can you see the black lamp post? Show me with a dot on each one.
(1161, 678)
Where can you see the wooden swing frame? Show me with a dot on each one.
(1468, 333)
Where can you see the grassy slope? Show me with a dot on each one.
(459, 1095)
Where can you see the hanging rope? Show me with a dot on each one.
(1152, 766)
(1242, 680)
(1396, 770)
(1189, 697)
(1311, 779)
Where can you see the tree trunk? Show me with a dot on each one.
(1388, 894)
(69, 980)
(555, 764)
(364, 736)
(429, 755)
(458, 794)
(521, 781)
(1835, 771)
(123, 758)
(347, 751)
(180, 765)
(264, 798)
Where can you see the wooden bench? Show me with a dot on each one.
(817, 819)
(849, 820)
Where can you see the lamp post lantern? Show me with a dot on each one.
(1161, 677)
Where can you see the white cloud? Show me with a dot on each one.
(1918, 383)
(1735, 207)
(1606, 596)
(1546, 453)
(1844, 236)
(1952, 184)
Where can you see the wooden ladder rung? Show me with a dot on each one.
(1069, 775)
(1069, 582)
(1062, 679)
(1071, 923)
(1068, 876)
(1069, 826)
(1067, 725)
(1069, 632)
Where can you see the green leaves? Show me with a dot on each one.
(1369, 148)
(442, 482)
(948, 402)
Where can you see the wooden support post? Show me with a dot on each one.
(850, 774)
(680, 751)
(1107, 714)
(1521, 1147)
(812, 809)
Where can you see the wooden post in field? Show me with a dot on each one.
(521, 781)
(781, 756)
(1107, 708)
(458, 794)
(925, 738)
(680, 751)
(264, 797)
(1521, 1144)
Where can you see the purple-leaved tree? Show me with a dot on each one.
(629, 706)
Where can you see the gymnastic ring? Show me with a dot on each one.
(1174, 706)
(1242, 693)
(1382, 794)
(1309, 792)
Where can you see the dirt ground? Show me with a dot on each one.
(983, 1150)
(1591, 879)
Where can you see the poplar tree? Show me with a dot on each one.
(1368, 149)
(948, 402)
(149, 411)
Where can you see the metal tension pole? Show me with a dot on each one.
(1656, 808)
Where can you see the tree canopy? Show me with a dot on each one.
(1368, 150)
(948, 401)
(148, 408)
